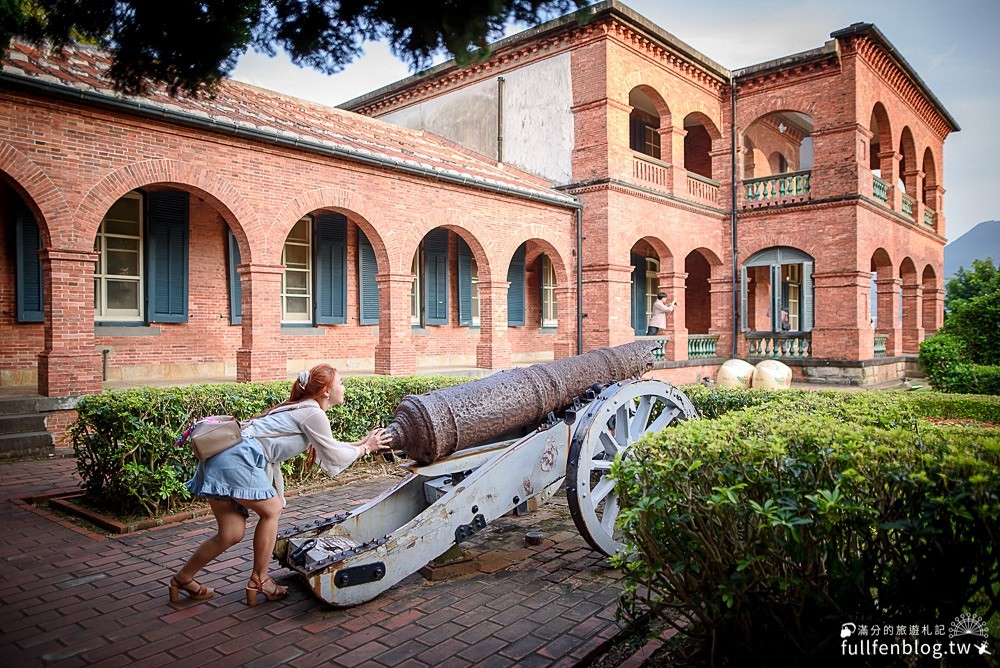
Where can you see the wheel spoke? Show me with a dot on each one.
(668, 415)
(600, 465)
(638, 425)
(608, 443)
(610, 514)
(602, 489)
(621, 426)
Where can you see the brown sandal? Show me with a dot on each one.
(276, 593)
(195, 591)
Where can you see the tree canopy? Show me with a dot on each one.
(188, 46)
(967, 284)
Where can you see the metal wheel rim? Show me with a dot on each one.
(593, 502)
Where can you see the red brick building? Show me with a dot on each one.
(533, 206)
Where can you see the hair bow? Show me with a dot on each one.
(303, 379)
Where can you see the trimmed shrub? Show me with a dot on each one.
(941, 357)
(977, 323)
(771, 526)
(124, 440)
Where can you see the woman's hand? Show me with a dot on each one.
(377, 440)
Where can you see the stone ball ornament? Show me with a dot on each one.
(772, 375)
(735, 373)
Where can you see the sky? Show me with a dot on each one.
(952, 46)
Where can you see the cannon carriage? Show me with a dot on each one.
(583, 412)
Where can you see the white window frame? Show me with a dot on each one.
(101, 311)
(550, 312)
(652, 284)
(298, 319)
(415, 291)
(474, 291)
(794, 292)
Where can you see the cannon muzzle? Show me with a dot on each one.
(434, 425)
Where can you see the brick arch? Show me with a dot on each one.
(232, 206)
(634, 80)
(359, 209)
(709, 255)
(929, 168)
(702, 118)
(662, 250)
(880, 116)
(907, 149)
(559, 265)
(908, 271)
(37, 190)
(881, 262)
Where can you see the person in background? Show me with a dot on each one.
(658, 320)
(247, 477)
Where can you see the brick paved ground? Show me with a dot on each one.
(72, 598)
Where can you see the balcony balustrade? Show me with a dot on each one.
(880, 189)
(649, 171)
(880, 340)
(701, 345)
(774, 189)
(702, 188)
(929, 215)
(775, 345)
(909, 204)
(658, 353)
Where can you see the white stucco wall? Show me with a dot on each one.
(537, 121)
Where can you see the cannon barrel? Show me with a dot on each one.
(434, 425)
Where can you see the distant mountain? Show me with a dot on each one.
(979, 243)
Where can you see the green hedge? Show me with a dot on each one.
(771, 526)
(124, 440)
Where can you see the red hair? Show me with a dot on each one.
(320, 378)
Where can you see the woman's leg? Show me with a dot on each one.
(265, 535)
(231, 528)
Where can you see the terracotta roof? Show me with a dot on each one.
(78, 72)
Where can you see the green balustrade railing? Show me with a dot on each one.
(929, 216)
(659, 354)
(909, 204)
(789, 345)
(701, 345)
(780, 186)
(880, 340)
(880, 189)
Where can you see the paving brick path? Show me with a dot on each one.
(69, 597)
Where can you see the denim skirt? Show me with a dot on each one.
(233, 474)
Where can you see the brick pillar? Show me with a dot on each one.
(673, 283)
(607, 303)
(721, 291)
(395, 354)
(261, 356)
(493, 350)
(722, 171)
(565, 345)
(841, 331)
(935, 200)
(914, 180)
(866, 177)
(913, 328)
(68, 364)
(887, 292)
(672, 151)
(932, 307)
(889, 166)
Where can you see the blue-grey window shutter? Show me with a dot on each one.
(28, 279)
(235, 288)
(775, 297)
(743, 298)
(807, 296)
(167, 257)
(515, 293)
(638, 295)
(367, 287)
(330, 274)
(464, 283)
(436, 277)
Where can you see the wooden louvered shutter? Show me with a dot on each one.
(464, 283)
(331, 276)
(367, 287)
(515, 293)
(167, 257)
(235, 288)
(436, 277)
(28, 278)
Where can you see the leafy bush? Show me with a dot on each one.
(124, 440)
(982, 279)
(945, 359)
(977, 322)
(771, 526)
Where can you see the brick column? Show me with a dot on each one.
(913, 329)
(395, 354)
(68, 364)
(887, 292)
(721, 291)
(565, 345)
(935, 200)
(493, 350)
(866, 177)
(889, 166)
(261, 355)
(672, 150)
(607, 305)
(914, 180)
(932, 310)
(841, 327)
(674, 285)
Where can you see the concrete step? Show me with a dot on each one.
(32, 404)
(16, 446)
(22, 424)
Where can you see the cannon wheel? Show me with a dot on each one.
(645, 406)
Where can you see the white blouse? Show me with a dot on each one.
(289, 431)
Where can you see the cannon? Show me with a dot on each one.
(582, 412)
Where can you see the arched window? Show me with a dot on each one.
(778, 282)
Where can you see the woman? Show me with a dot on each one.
(247, 477)
(658, 320)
